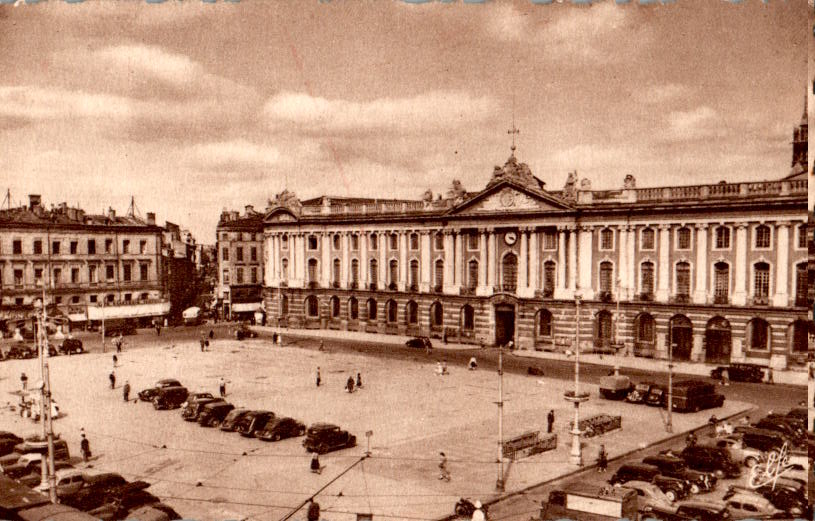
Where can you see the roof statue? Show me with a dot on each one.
(585, 184)
(286, 199)
(427, 198)
(516, 172)
(570, 188)
(629, 182)
(457, 193)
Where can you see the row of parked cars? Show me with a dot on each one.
(687, 395)
(209, 411)
(21, 350)
(103, 495)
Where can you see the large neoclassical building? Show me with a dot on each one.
(718, 272)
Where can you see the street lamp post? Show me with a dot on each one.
(668, 422)
(575, 455)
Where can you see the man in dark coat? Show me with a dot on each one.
(126, 391)
(550, 420)
(112, 379)
(85, 448)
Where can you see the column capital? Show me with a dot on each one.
(664, 226)
(702, 226)
(741, 226)
(482, 230)
(785, 224)
(586, 227)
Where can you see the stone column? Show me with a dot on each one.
(534, 262)
(584, 265)
(492, 258)
(523, 265)
(781, 297)
(740, 260)
(326, 260)
(700, 293)
(424, 285)
(622, 263)
(403, 262)
(458, 262)
(664, 268)
(571, 269)
(383, 260)
(632, 263)
(482, 288)
(560, 281)
(345, 263)
(272, 259)
(363, 259)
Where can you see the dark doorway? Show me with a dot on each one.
(681, 337)
(504, 324)
(718, 341)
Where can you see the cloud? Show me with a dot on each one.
(507, 23)
(229, 153)
(693, 124)
(423, 113)
(35, 103)
(152, 61)
(664, 93)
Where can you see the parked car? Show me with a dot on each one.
(740, 372)
(649, 496)
(193, 409)
(615, 387)
(68, 480)
(748, 456)
(195, 397)
(325, 437)
(675, 467)
(21, 351)
(170, 398)
(214, 413)
(253, 422)
(71, 346)
(243, 331)
(799, 413)
(762, 439)
(640, 391)
(420, 342)
(700, 510)
(29, 446)
(788, 428)
(93, 489)
(657, 396)
(34, 478)
(8, 441)
(230, 422)
(153, 512)
(119, 502)
(694, 395)
(280, 428)
(147, 395)
(673, 488)
(711, 459)
(744, 503)
(790, 499)
(119, 327)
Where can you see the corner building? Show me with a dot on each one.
(718, 272)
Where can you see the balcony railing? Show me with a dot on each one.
(761, 300)
(721, 299)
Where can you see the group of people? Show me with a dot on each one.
(350, 385)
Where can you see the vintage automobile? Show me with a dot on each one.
(170, 398)
(650, 496)
(193, 409)
(153, 512)
(195, 397)
(71, 346)
(230, 422)
(31, 462)
(253, 421)
(744, 503)
(8, 440)
(243, 331)
(710, 459)
(214, 413)
(789, 428)
(675, 467)
(799, 413)
(792, 499)
(762, 439)
(640, 391)
(420, 342)
(699, 510)
(147, 394)
(35, 445)
(21, 351)
(34, 478)
(279, 428)
(672, 488)
(740, 372)
(615, 387)
(101, 489)
(741, 453)
(657, 396)
(695, 395)
(325, 437)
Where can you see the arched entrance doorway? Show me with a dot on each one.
(718, 341)
(504, 323)
(680, 335)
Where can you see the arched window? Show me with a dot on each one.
(284, 242)
(284, 269)
(472, 274)
(312, 270)
(509, 272)
(603, 328)
(645, 329)
(392, 309)
(353, 308)
(414, 241)
(801, 284)
(412, 313)
(284, 305)
(393, 272)
(355, 273)
(335, 307)
(312, 306)
(467, 318)
(373, 272)
(394, 241)
(721, 283)
(683, 238)
(682, 279)
(436, 315)
(544, 320)
(606, 277)
(439, 274)
(758, 334)
(549, 278)
(373, 241)
(335, 274)
(414, 274)
(647, 278)
(761, 282)
(337, 241)
(371, 309)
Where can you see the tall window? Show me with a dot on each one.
(284, 268)
(254, 273)
(253, 254)
(414, 273)
(374, 241)
(74, 247)
(758, 334)
(647, 278)
(603, 328)
(142, 271)
(18, 277)
(239, 253)
(544, 323)
(801, 284)
(336, 241)
(57, 276)
(412, 312)
(239, 276)
(394, 241)
(92, 275)
(353, 308)
(762, 236)
(645, 328)
(125, 246)
(414, 241)
(549, 240)
(373, 271)
(355, 272)
(472, 274)
(312, 242)
(648, 242)
(75, 274)
(355, 242)
(142, 247)
(439, 241)
(392, 310)
(467, 318)
(683, 279)
(436, 315)
(721, 283)
(549, 278)
(110, 271)
(91, 247)
(225, 276)
(393, 272)
(371, 309)
(722, 238)
(335, 307)
(336, 270)
(606, 239)
(55, 247)
(509, 272)
(472, 241)
(284, 305)
(225, 253)
(312, 306)
(761, 285)
(312, 270)
(284, 242)
(802, 236)
(439, 273)
(17, 247)
(606, 277)
(37, 247)
(683, 238)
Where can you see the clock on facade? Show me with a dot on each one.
(510, 238)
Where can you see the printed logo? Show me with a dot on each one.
(769, 471)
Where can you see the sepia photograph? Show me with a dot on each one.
(516, 260)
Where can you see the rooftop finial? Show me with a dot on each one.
(514, 130)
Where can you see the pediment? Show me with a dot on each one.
(508, 198)
(279, 215)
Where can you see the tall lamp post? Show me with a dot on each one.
(668, 422)
(576, 397)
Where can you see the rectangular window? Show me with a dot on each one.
(472, 274)
(75, 299)
(225, 276)
(439, 241)
(414, 241)
(109, 272)
(128, 297)
(17, 247)
(142, 247)
(225, 254)
(647, 278)
(312, 242)
(801, 284)
(125, 246)
(472, 241)
(761, 288)
(254, 273)
(394, 240)
(108, 245)
(373, 241)
(549, 278)
(762, 237)
(74, 247)
(58, 300)
(92, 274)
(683, 238)
(55, 247)
(38, 276)
(143, 271)
(91, 247)
(18, 277)
(74, 275)
(683, 279)
(606, 239)
(239, 253)
(722, 238)
(92, 299)
(253, 254)
(126, 275)
(355, 242)
(648, 238)
(37, 247)
(802, 237)
(239, 276)
(57, 276)
(606, 277)
(549, 240)
(224, 236)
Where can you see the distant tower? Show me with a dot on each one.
(799, 141)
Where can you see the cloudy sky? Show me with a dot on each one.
(194, 107)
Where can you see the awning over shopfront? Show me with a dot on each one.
(246, 307)
(77, 317)
(151, 309)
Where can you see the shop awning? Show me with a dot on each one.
(245, 307)
(151, 309)
(77, 317)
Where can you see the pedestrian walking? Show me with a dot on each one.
(119, 343)
(359, 380)
(472, 364)
(349, 385)
(203, 342)
(315, 464)
(322, 346)
(211, 334)
(444, 473)
(112, 378)
(24, 381)
(550, 420)
(770, 375)
(602, 459)
(158, 329)
(222, 387)
(318, 377)
(85, 448)
(126, 392)
(115, 361)
(313, 513)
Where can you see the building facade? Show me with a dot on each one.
(715, 273)
(91, 266)
(179, 274)
(239, 247)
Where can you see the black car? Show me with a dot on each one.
(740, 373)
(420, 342)
(325, 437)
(93, 491)
(123, 327)
(253, 422)
(657, 396)
(787, 427)
(193, 409)
(7, 442)
(279, 428)
(214, 413)
(243, 331)
(702, 511)
(673, 488)
(21, 351)
(762, 439)
(71, 346)
(711, 459)
(230, 422)
(170, 398)
(147, 395)
(788, 500)
(799, 413)
(640, 392)
(676, 467)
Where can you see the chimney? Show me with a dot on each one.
(34, 201)
(151, 218)
(249, 209)
(111, 213)
(63, 207)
